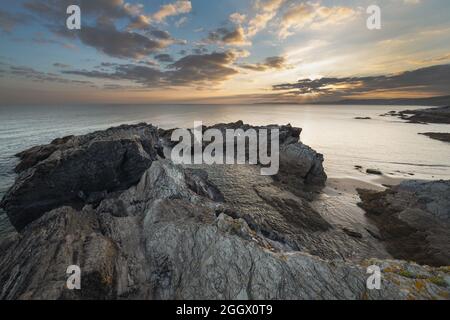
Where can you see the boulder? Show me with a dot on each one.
(414, 219)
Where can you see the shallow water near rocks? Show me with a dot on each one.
(383, 143)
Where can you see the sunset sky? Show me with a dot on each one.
(233, 51)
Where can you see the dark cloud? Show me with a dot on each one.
(235, 36)
(55, 10)
(164, 57)
(276, 63)
(148, 63)
(103, 34)
(160, 34)
(192, 70)
(60, 65)
(434, 79)
(38, 76)
(142, 75)
(121, 44)
(213, 68)
(199, 50)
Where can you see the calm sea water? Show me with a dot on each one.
(383, 143)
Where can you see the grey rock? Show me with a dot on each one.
(161, 231)
(374, 171)
(445, 137)
(302, 164)
(414, 219)
(73, 169)
(161, 239)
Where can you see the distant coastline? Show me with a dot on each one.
(431, 101)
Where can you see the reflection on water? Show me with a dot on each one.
(383, 143)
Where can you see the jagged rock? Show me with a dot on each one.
(429, 115)
(352, 233)
(302, 164)
(161, 239)
(445, 137)
(414, 220)
(161, 231)
(79, 170)
(72, 169)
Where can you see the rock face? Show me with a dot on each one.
(75, 170)
(79, 170)
(414, 220)
(174, 235)
(161, 239)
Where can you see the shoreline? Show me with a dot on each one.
(146, 220)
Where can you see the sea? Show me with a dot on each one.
(384, 143)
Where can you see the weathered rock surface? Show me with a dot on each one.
(77, 170)
(173, 234)
(73, 170)
(162, 240)
(414, 220)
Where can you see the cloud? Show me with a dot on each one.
(235, 36)
(120, 44)
(237, 18)
(412, 1)
(267, 11)
(435, 79)
(192, 70)
(172, 9)
(56, 9)
(31, 74)
(270, 63)
(104, 35)
(312, 15)
(164, 57)
(61, 65)
(205, 69)
(8, 21)
(139, 22)
(181, 22)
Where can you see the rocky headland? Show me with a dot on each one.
(429, 115)
(414, 219)
(445, 137)
(141, 227)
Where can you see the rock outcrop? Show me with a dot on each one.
(161, 239)
(78, 170)
(430, 115)
(445, 137)
(414, 220)
(173, 234)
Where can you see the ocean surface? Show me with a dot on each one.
(384, 143)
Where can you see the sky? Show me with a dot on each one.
(222, 51)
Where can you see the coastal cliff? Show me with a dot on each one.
(141, 227)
